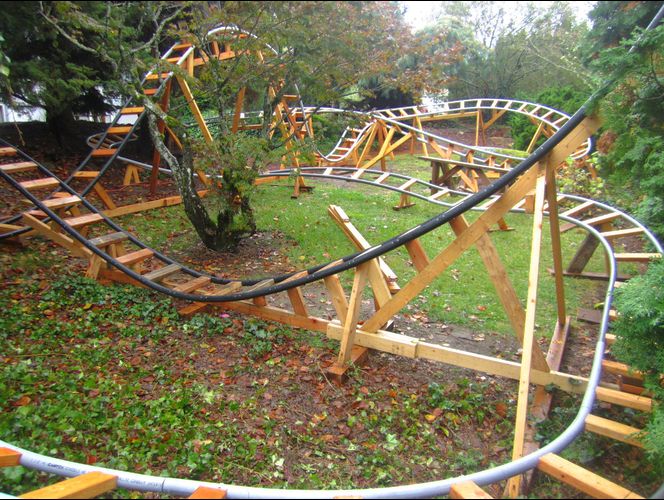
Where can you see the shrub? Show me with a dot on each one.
(640, 343)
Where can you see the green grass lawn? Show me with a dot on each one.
(463, 295)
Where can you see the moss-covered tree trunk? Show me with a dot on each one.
(235, 218)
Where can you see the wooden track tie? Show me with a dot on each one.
(614, 430)
(87, 485)
(9, 457)
(109, 239)
(46, 183)
(103, 152)
(467, 489)
(582, 479)
(15, 168)
(135, 257)
(7, 151)
(159, 274)
(205, 492)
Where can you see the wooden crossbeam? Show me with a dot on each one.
(411, 347)
(62, 240)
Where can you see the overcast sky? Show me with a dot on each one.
(420, 14)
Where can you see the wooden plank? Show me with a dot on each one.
(622, 233)
(514, 483)
(417, 254)
(87, 485)
(206, 492)
(86, 174)
(354, 304)
(339, 300)
(120, 130)
(15, 168)
(595, 221)
(467, 489)
(637, 257)
(159, 274)
(381, 290)
(195, 110)
(594, 315)
(103, 152)
(411, 347)
(621, 369)
(9, 457)
(503, 286)
(275, 314)
(83, 220)
(625, 399)
(132, 111)
(614, 430)
(556, 244)
(297, 301)
(193, 284)
(583, 254)
(8, 151)
(582, 479)
(46, 183)
(109, 239)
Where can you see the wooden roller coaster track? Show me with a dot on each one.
(528, 187)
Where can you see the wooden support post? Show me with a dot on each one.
(514, 484)
(417, 254)
(186, 91)
(350, 323)
(367, 147)
(556, 245)
(297, 301)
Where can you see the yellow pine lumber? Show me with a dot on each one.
(582, 479)
(87, 485)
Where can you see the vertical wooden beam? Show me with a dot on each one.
(367, 147)
(195, 110)
(514, 484)
(556, 246)
(350, 323)
(238, 110)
